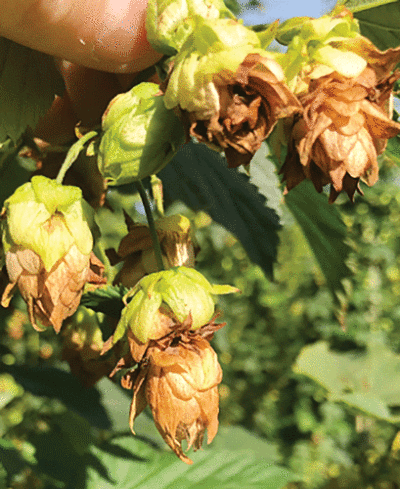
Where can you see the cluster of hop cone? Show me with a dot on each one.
(324, 104)
(328, 96)
(162, 339)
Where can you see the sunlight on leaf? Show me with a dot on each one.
(368, 382)
(360, 5)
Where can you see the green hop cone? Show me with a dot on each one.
(47, 240)
(140, 135)
(161, 299)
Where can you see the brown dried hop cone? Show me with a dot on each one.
(137, 252)
(178, 378)
(48, 250)
(168, 324)
(344, 84)
(344, 128)
(229, 90)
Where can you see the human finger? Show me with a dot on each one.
(106, 35)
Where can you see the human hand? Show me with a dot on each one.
(107, 35)
(99, 38)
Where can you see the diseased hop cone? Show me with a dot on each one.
(178, 378)
(344, 84)
(230, 91)
(137, 253)
(181, 390)
(344, 128)
(48, 250)
(169, 323)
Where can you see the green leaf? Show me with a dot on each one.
(63, 451)
(267, 35)
(224, 289)
(198, 176)
(58, 384)
(368, 381)
(28, 82)
(393, 150)
(360, 5)
(380, 24)
(73, 153)
(106, 299)
(324, 229)
(154, 467)
(9, 389)
(3, 477)
(264, 176)
(77, 430)
(234, 6)
(12, 460)
(149, 469)
(14, 172)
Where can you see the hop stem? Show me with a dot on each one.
(73, 154)
(152, 227)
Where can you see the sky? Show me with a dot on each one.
(285, 9)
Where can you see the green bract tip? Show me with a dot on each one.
(176, 293)
(168, 22)
(48, 218)
(214, 50)
(315, 48)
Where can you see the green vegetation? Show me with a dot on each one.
(310, 353)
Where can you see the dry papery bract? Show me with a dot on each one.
(137, 252)
(251, 101)
(178, 377)
(52, 295)
(344, 127)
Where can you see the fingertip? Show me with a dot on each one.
(106, 35)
